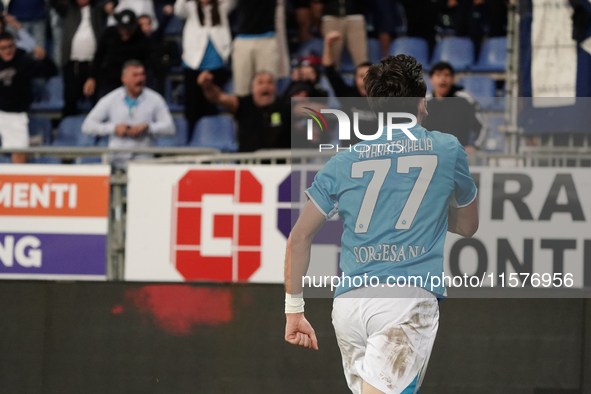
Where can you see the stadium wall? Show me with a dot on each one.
(90, 337)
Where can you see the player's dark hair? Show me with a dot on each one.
(6, 36)
(440, 67)
(395, 76)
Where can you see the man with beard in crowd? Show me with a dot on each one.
(262, 122)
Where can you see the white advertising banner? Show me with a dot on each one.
(554, 52)
(205, 223)
(230, 223)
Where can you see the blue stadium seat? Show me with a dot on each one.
(374, 50)
(457, 51)
(413, 46)
(493, 56)
(495, 141)
(215, 132)
(40, 126)
(175, 26)
(52, 97)
(44, 160)
(102, 141)
(312, 47)
(179, 139)
(5, 159)
(173, 96)
(482, 88)
(69, 133)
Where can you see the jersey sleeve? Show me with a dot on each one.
(464, 186)
(324, 189)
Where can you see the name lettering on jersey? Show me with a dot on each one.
(386, 252)
(400, 146)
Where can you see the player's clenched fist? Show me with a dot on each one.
(205, 78)
(332, 37)
(299, 332)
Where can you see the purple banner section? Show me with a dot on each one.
(57, 254)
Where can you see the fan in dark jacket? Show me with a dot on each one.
(83, 22)
(17, 69)
(117, 45)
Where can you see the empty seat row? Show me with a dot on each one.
(210, 132)
(457, 51)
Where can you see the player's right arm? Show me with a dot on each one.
(462, 216)
(298, 330)
(463, 221)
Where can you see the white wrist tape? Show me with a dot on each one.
(294, 303)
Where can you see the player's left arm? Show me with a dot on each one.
(298, 330)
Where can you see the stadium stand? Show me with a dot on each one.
(482, 88)
(52, 98)
(180, 138)
(493, 56)
(414, 46)
(215, 132)
(69, 133)
(496, 139)
(40, 129)
(457, 51)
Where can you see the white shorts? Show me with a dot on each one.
(386, 341)
(14, 130)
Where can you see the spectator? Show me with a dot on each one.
(386, 18)
(468, 19)
(32, 16)
(165, 54)
(206, 47)
(306, 73)
(497, 14)
(83, 24)
(255, 48)
(421, 19)
(139, 7)
(367, 118)
(346, 17)
(131, 115)
(22, 38)
(304, 19)
(117, 45)
(17, 69)
(260, 115)
(453, 110)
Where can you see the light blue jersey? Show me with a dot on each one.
(393, 198)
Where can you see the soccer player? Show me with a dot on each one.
(396, 205)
